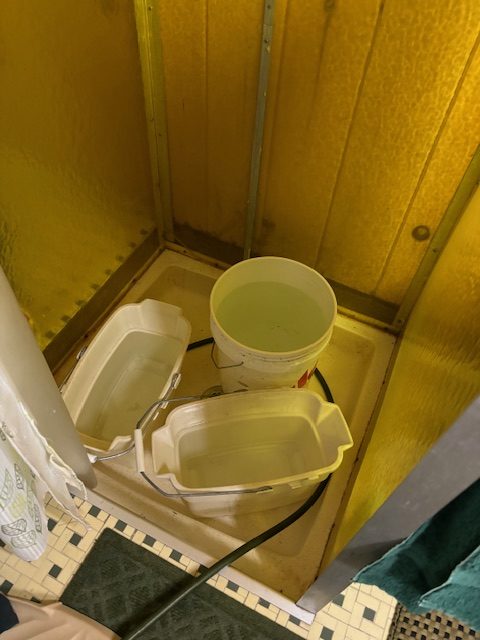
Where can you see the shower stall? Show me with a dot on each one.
(148, 145)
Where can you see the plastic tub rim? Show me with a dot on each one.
(286, 356)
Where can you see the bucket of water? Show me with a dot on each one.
(270, 318)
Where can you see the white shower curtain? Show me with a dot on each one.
(29, 467)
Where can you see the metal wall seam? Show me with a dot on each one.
(257, 143)
(149, 44)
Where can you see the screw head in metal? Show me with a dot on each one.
(421, 233)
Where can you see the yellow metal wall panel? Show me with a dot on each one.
(367, 102)
(211, 56)
(319, 53)
(75, 185)
(183, 31)
(435, 376)
(417, 60)
(234, 39)
(453, 151)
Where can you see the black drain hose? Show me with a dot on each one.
(228, 559)
(244, 548)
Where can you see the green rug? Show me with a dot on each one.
(120, 584)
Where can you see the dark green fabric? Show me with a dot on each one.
(120, 584)
(438, 566)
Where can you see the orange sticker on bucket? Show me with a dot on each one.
(303, 380)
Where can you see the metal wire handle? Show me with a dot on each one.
(149, 415)
(152, 411)
(227, 366)
(137, 444)
(197, 494)
(79, 355)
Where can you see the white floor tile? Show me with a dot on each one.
(356, 634)
(340, 631)
(299, 632)
(356, 616)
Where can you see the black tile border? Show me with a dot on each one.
(120, 525)
(75, 539)
(55, 571)
(232, 586)
(6, 586)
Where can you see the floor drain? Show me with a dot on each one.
(213, 391)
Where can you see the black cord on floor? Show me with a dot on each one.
(199, 343)
(245, 548)
(228, 559)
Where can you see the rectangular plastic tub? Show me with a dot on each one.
(249, 451)
(129, 364)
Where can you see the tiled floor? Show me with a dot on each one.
(359, 613)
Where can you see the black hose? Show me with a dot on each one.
(199, 343)
(318, 375)
(228, 559)
(244, 548)
(325, 387)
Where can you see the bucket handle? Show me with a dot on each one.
(78, 357)
(228, 366)
(202, 494)
(178, 493)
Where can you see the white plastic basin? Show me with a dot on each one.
(275, 444)
(128, 365)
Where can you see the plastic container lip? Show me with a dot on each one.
(305, 477)
(287, 355)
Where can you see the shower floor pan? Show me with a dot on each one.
(354, 364)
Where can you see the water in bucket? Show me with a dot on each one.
(270, 319)
(272, 316)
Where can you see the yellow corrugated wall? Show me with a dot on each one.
(435, 376)
(210, 54)
(75, 184)
(373, 115)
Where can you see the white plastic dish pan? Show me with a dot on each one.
(249, 451)
(128, 365)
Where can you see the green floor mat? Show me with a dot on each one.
(120, 584)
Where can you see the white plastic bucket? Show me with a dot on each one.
(254, 359)
(245, 452)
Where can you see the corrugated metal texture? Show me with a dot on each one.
(435, 376)
(372, 118)
(417, 61)
(211, 53)
(320, 51)
(442, 173)
(371, 107)
(75, 184)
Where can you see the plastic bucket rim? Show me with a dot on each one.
(282, 355)
(279, 356)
